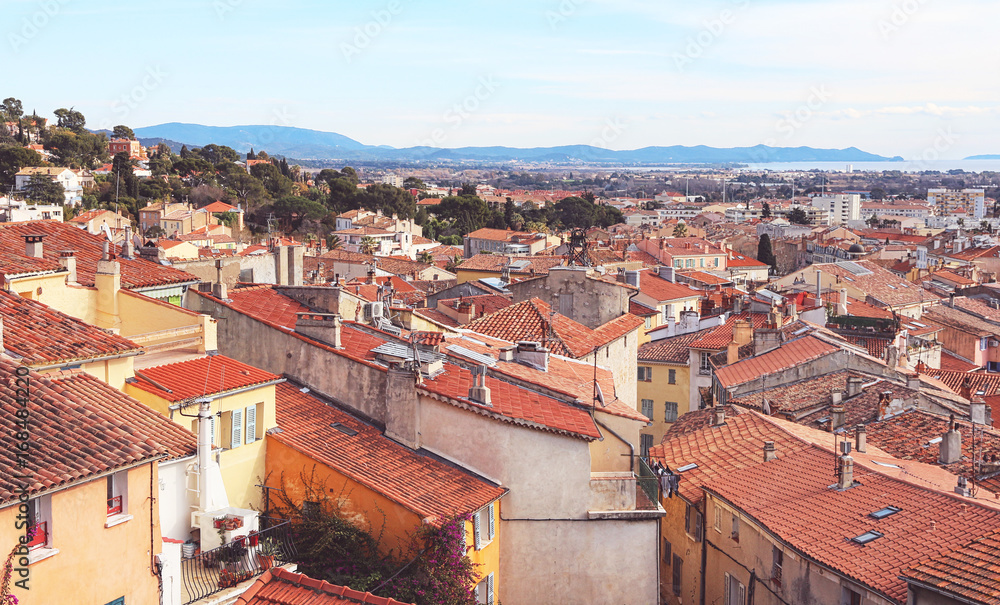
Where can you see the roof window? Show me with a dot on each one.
(868, 536)
(885, 512)
(343, 428)
(687, 467)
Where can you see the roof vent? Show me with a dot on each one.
(343, 428)
(479, 392)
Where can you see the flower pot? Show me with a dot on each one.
(265, 561)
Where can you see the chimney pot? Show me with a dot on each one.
(837, 417)
(479, 392)
(718, 415)
(836, 396)
(67, 260)
(950, 448)
(845, 471)
(861, 439)
(33, 245)
(769, 451)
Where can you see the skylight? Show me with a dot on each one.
(935, 440)
(886, 464)
(687, 467)
(343, 428)
(885, 512)
(868, 536)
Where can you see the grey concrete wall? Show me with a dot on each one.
(593, 303)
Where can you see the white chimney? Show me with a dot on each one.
(951, 445)
(854, 384)
(479, 392)
(533, 354)
(837, 417)
(842, 306)
(33, 245)
(977, 410)
(819, 285)
(769, 451)
(836, 396)
(67, 260)
(127, 243)
(861, 439)
(204, 452)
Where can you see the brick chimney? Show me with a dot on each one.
(845, 467)
(951, 444)
(33, 245)
(325, 327)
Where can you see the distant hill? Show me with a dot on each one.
(989, 156)
(306, 144)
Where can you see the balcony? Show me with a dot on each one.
(625, 495)
(213, 571)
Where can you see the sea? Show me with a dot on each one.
(903, 166)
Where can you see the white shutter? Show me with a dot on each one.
(490, 511)
(725, 592)
(489, 589)
(251, 424)
(236, 434)
(475, 531)
(743, 595)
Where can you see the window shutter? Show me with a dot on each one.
(743, 594)
(475, 531)
(489, 589)
(726, 595)
(251, 424)
(211, 429)
(236, 435)
(490, 511)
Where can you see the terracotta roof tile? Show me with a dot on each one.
(536, 265)
(675, 349)
(81, 428)
(951, 363)
(968, 572)
(486, 304)
(40, 335)
(198, 377)
(787, 355)
(661, 290)
(268, 305)
(421, 483)
(981, 382)
(136, 272)
(282, 587)
(437, 317)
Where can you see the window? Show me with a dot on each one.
(645, 442)
(667, 551)
(118, 601)
(117, 490)
(484, 590)
(850, 597)
(718, 520)
(705, 366)
(678, 264)
(672, 376)
(690, 263)
(484, 526)
(310, 509)
(885, 512)
(693, 522)
(983, 343)
(668, 312)
(670, 415)
(649, 322)
(647, 408)
(676, 573)
(645, 374)
(253, 428)
(777, 560)
(735, 592)
(868, 536)
(734, 533)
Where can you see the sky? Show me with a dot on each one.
(914, 78)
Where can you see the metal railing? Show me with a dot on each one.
(230, 564)
(647, 480)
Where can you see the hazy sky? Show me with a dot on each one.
(897, 77)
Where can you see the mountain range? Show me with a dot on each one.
(303, 144)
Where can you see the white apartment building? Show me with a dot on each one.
(69, 180)
(843, 207)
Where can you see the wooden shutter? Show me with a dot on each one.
(489, 589)
(490, 511)
(251, 424)
(236, 434)
(476, 530)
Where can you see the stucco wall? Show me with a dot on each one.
(175, 500)
(570, 292)
(79, 573)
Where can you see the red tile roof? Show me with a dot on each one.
(41, 336)
(950, 363)
(199, 377)
(718, 338)
(282, 587)
(980, 382)
(437, 317)
(791, 497)
(675, 350)
(416, 480)
(80, 428)
(968, 572)
(486, 304)
(136, 272)
(788, 355)
(537, 265)
(640, 310)
(661, 290)
(268, 305)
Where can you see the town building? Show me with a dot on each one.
(971, 202)
(68, 179)
(841, 207)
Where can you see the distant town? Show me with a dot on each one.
(237, 378)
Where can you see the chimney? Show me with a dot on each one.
(127, 244)
(204, 452)
(913, 381)
(966, 389)
(845, 467)
(479, 392)
(326, 327)
(738, 305)
(402, 406)
(742, 332)
(321, 273)
(219, 289)
(854, 384)
(769, 452)
(838, 416)
(951, 445)
(861, 439)
(732, 353)
(962, 489)
(837, 396)
(819, 285)
(506, 354)
(33, 245)
(718, 415)
(67, 260)
(791, 310)
(532, 354)
(666, 272)
(108, 281)
(842, 305)
(977, 410)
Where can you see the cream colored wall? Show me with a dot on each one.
(94, 564)
(661, 391)
(672, 531)
(611, 454)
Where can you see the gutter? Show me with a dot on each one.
(190, 400)
(65, 364)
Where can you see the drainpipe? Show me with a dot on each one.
(204, 451)
(631, 448)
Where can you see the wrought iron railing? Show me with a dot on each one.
(242, 559)
(647, 480)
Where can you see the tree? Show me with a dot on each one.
(468, 189)
(765, 210)
(251, 155)
(877, 193)
(12, 110)
(44, 190)
(71, 119)
(798, 216)
(576, 213)
(216, 154)
(426, 257)
(680, 230)
(292, 210)
(413, 182)
(123, 171)
(368, 245)
(73, 148)
(765, 254)
(277, 184)
(333, 242)
(12, 159)
(123, 132)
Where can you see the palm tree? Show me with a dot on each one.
(368, 244)
(426, 257)
(453, 263)
(334, 242)
(680, 230)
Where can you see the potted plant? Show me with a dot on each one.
(232, 554)
(267, 551)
